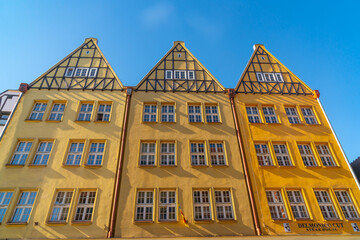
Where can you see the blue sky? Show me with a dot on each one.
(317, 40)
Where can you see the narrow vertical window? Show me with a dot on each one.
(217, 154)
(194, 113)
(69, 72)
(191, 75)
(85, 112)
(326, 205)
(144, 206)
(297, 204)
(292, 115)
(61, 206)
(177, 74)
(168, 74)
(93, 72)
(309, 115)
(167, 113)
(38, 111)
(269, 77)
(212, 114)
(167, 154)
(95, 154)
(282, 155)
(223, 205)
(260, 77)
(197, 154)
(147, 154)
(167, 205)
(253, 114)
(279, 77)
(57, 111)
(23, 207)
(149, 113)
(325, 155)
(43, 153)
(307, 155)
(75, 154)
(346, 204)
(276, 205)
(5, 198)
(270, 116)
(263, 154)
(202, 210)
(182, 74)
(85, 206)
(21, 153)
(103, 113)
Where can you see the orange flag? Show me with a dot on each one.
(183, 217)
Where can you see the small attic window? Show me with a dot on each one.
(87, 52)
(262, 58)
(69, 72)
(179, 55)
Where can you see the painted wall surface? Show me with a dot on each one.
(183, 177)
(296, 177)
(8, 101)
(47, 180)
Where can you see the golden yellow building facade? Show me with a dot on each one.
(301, 179)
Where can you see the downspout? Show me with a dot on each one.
(110, 233)
(231, 94)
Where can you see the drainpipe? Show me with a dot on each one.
(110, 233)
(231, 94)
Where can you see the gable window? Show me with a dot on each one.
(147, 154)
(4, 116)
(5, 198)
(223, 205)
(93, 72)
(168, 74)
(309, 115)
(276, 205)
(167, 113)
(191, 75)
(69, 72)
(325, 155)
(201, 205)
(279, 77)
(167, 205)
(103, 113)
(167, 154)
(194, 113)
(282, 155)
(43, 153)
(253, 115)
(292, 115)
(57, 111)
(297, 204)
(21, 153)
(23, 207)
(180, 74)
(85, 112)
(217, 154)
(346, 204)
(270, 116)
(96, 154)
(149, 113)
(75, 153)
(260, 77)
(198, 154)
(38, 111)
(85, 206)
(81, 72)
(269, 77)
(144, 206)
(212, 114)
(325, 204)
(307, 155)
(263, 154)
(61, 206)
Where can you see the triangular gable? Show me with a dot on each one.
(265, 74)
(179, 71)
(86, 68)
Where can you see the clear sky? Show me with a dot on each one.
(317, 40)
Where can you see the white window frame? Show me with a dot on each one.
(346, 204)
(76, 152)
(81, 72)
(166, 74)
(43, 152)
(269, 77)
(96, 154)
(223, 204)
(166, 112)
(56, 115)
(85, 206)
(260, 77)
(217, 153)
(253, 114)
(276, 205)
(167, 154)
(180, 72)
(325, 204)
(309, 115)
(194, 113)
(144, 206)
(61, 207)
(38, 113)
(270, 115)
(67, 71)
(282, 154)
(325, 155)
(93, 75)
(147, 154)
(263, 154)
(198, 154)
(193, 75)
(279, 77)
(103, 115)
(149, 115)
(85, 114)
(4, 117)
(297, 204)
(307, 155)
(212, 114)
(202, 206)
(24, 207)
(293, 115)
(167, 205)
(5, 198)
(23, 153)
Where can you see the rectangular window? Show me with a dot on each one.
(180, 74)
(194, 113)
(260, 77)
(253, 114)
(147, 154)
(297, 204)
(270, 116)
(23, 207)
(167, 154)
(38, 111)
(276, 205)
(103, 113)
(4, 116)
(269, 77)
(5, 198)
(43, 153)
(61, 207)
(307, 155)
(93, 72)
(167, 205)
(85, 206)
(346, 204)
(292, 115)
(96, 154)
(69, 72)
(282, 155)
(144, 206)
(57, 111)
(198, 154)
(167, 113)
(191, 75)
(202, 209)
(149, 113)
(263, 154)
(21, 153)
(325, 155)
(168, 74)
(75, 153)
(85, 112)
(223, 205)
(309, 115)
(212, 114)
(217, 154)
(326, 205)
(279, 77)
(81, 72)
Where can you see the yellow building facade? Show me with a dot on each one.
(301, 179)
(60, 151)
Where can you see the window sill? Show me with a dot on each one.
(48, 120)
(273, 123)
(146, 166)
(97, 121)
(195, 122)
(37, 165)
(204, 221)
(168, 166)
(338, 220)
(15, 165)
(303, 220)
(219, 166)
(149, 122)
(226, 221)
(215, 123)
(292, 166)
(329, 167)
(82, 121)
(297, 124)
(168, 221)
(71, 166)
(312, 124)
(255, 123)
(17, 223)
(267, 166)
(168, 122)
(81, 222)
(55, 223)
(312, 166)
(143, 222)
(281, 220)
(199, 166)
(92, 166)
(32, 120)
